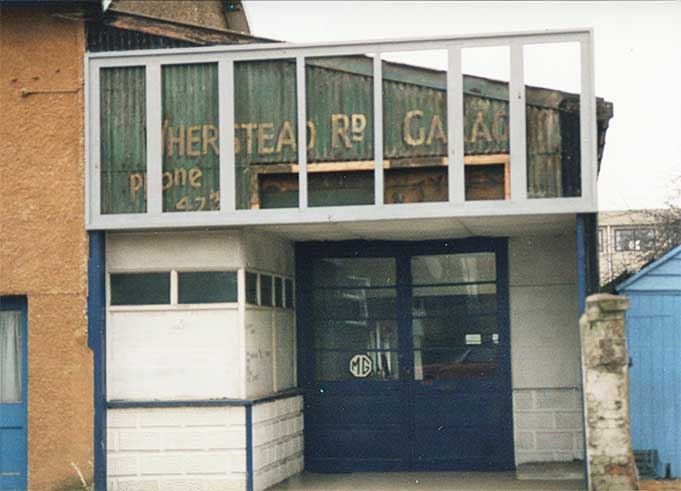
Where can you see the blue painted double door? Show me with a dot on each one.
(404, 354)
(13, 391)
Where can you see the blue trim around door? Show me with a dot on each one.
(96, 309)
(14, 417)
(347, 414)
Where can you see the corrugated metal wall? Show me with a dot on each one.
(123, 140)
(340, 128)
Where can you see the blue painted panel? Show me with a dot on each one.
(13, 416)
(654, 343)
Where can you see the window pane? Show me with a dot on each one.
(278, 292)
(453, 332)
(140, 288)
(289, 294)
(354, 304)
(207, 287)
(123, 140)
(357, 272)
(191, 167)
(11, 363)
(343, 366)
(453, 268)
(266, 290)
(252, 288)
(471, 362)
(454, 301)
(356, 335)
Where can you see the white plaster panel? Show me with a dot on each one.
(270, 253)
(284, 349)
(172, 355)
(152, 251)
(544, 312)
(259, 355)
(543, 260)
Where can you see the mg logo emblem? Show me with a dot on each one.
(361, 366)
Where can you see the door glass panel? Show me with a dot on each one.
(453, 268)
(354, 304)
(454, 332)
(354, 272)
(10, 356)
(354, 315)
(365, 365)
(470, 362)
(356, 335)
(454, 301)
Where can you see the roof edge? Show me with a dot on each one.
(650, 267)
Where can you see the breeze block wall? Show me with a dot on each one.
(177, 449)
(277, 441)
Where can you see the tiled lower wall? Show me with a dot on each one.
(182, 449)
(548, 425)
(277, 441)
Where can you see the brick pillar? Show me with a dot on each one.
(605, 370)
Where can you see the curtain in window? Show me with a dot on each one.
(10, 356)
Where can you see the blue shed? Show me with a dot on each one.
(654, 342)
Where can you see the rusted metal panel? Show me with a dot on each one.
(191, 167)
(123, 140)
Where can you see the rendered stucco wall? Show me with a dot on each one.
(43, 244)
(545, 349)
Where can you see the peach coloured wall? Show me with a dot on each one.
(43, 244)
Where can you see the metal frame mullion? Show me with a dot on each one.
(587, 122)
(93, 185)
(378, 130)
(456, 174)
(301, 104)
(516, 99)
(226, 135)
(154, 139)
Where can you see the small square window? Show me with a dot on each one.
(288, 292)
(266, 290)
(278, 292)
(252, 288)
(207, 287)
(140, 288)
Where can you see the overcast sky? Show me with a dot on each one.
(637, 59)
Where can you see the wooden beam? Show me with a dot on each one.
(201, 36)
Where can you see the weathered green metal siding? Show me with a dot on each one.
(123, 139)
(340, 129)
(191, 167)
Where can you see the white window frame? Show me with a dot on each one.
(226, 56)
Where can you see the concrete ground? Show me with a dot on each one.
(424, 481)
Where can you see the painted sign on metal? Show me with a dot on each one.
(361, 366)
(340, 127)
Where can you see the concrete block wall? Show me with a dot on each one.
(548, 425)
(183, 449)
(277, 441)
